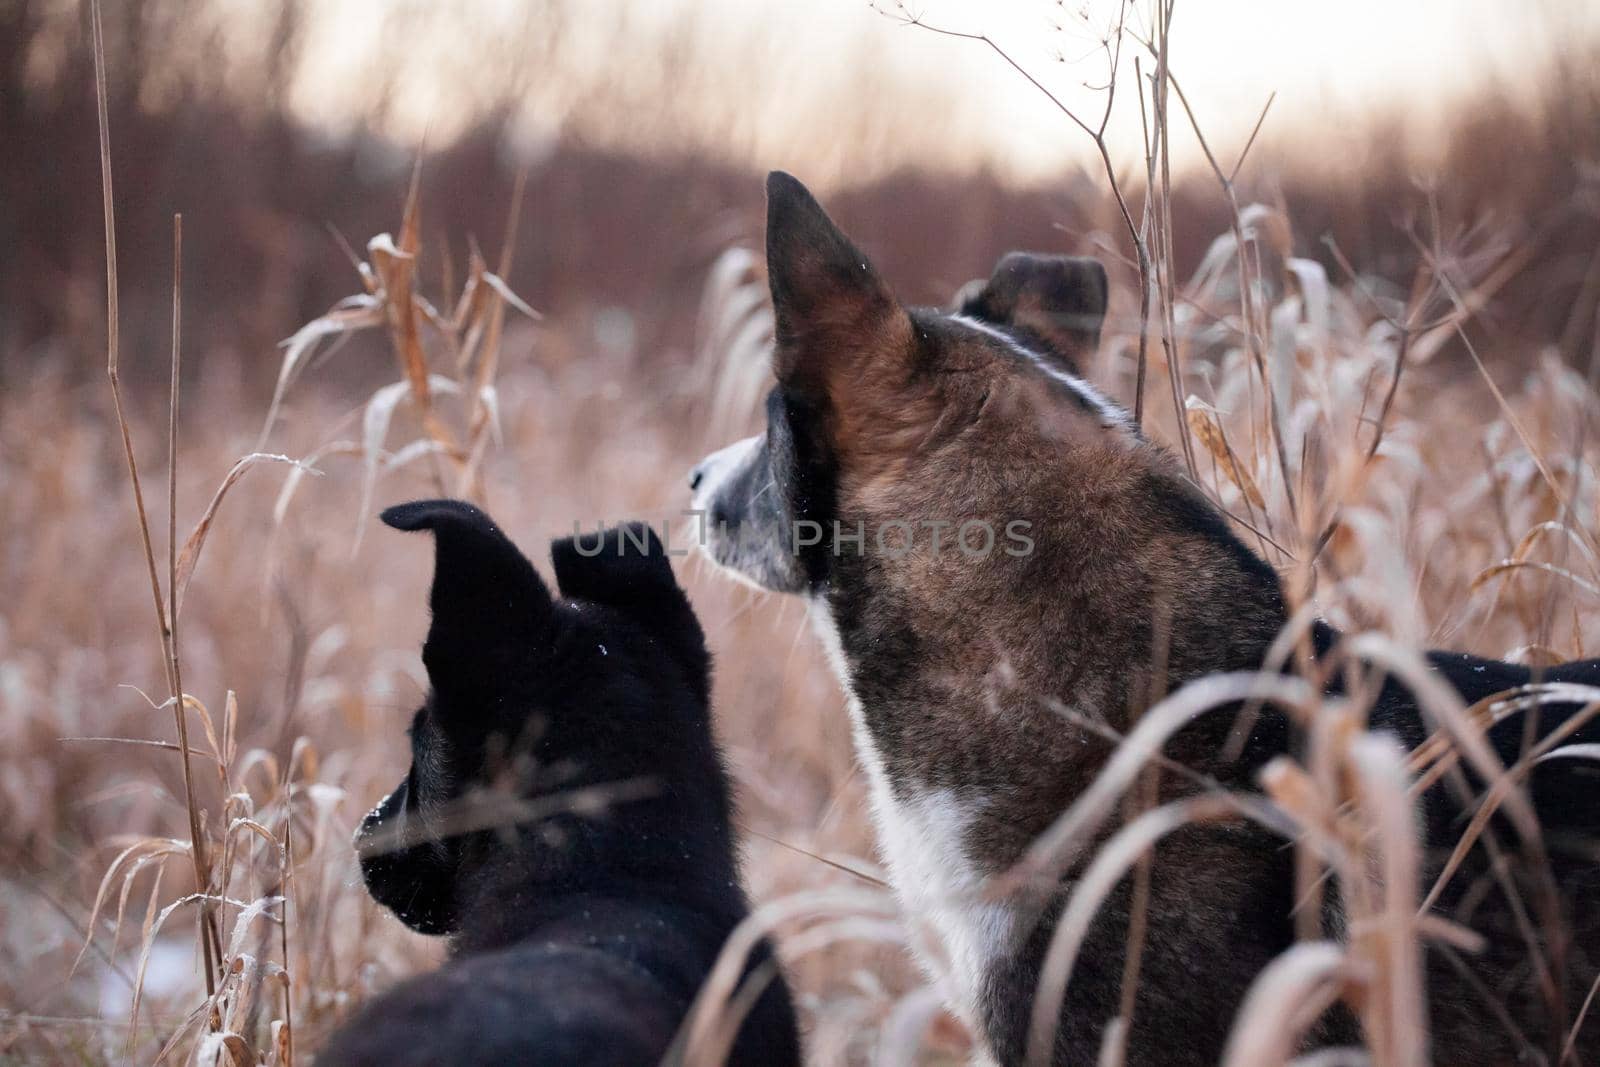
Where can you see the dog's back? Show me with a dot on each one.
(610, 986)
(566, 817)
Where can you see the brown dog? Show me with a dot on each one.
(984, 537)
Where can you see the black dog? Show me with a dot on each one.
(565, 819)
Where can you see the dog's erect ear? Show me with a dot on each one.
(838, 326)
(1060, 299)
(489, 604)
(623, 565)
(626, 568)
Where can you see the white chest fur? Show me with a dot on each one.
(956, 934)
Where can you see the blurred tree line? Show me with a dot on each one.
(201, 123)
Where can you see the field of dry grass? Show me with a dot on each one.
(1408, 436)
(301, 643)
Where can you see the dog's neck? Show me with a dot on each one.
(1009, 679)
(638, 845)
(983, 702)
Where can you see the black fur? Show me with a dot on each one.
(565, 818)
(802, 476)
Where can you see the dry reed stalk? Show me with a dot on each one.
(1054, 850)
(472, 332)
(1166, 285)
(1205, 425)
(1298, 987)
(168, 644)
(1111, 863)
(711, 1025)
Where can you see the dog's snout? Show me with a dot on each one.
(697, 476)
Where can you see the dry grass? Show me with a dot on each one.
(1405, 487)
(301, 659)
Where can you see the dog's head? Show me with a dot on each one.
(529, 694)
(885, 415)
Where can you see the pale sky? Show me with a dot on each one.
(770, 76)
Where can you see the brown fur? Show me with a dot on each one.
(1059, 300)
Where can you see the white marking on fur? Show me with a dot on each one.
(922, 842)
(1111, 413)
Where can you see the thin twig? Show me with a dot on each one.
(1511, 416)
(1169, 332)
(1147, 146)
(1252, 326)
(1097, 136)
(283, 927)
(1244, 152)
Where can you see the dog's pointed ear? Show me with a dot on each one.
(627, 568)
(1059, 299)
(623, 565)
(489, 604)
(837, 323)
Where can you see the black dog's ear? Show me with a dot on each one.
(618, 566)
(626, 568)
(489, 604)
(1060, 299)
